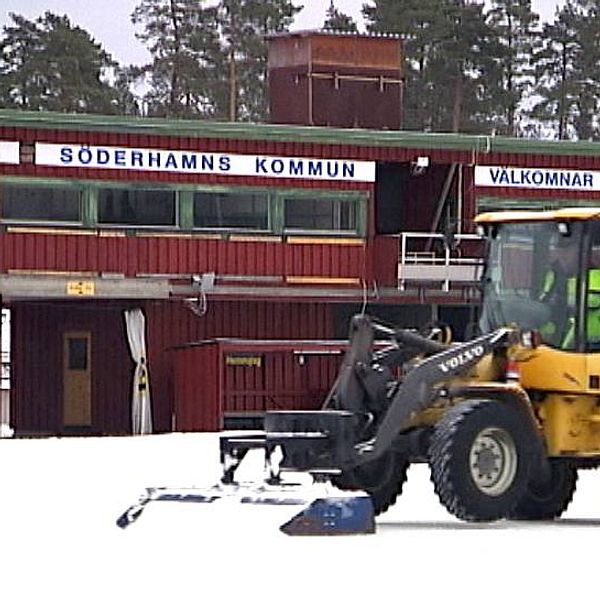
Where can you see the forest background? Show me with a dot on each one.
(490, 68)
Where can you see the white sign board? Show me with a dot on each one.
(534, 178)
(9, 152)
(202, 163)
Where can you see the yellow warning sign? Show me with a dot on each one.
(243, 361)
(81, 288)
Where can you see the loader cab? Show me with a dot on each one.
(543, 272)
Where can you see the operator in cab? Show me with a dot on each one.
(559, 292)
(545, 275)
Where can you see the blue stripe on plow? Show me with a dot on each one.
(333, 516)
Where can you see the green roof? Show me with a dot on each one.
(482, 144)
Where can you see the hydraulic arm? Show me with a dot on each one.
(368, 408)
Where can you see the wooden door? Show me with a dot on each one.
(77, 379)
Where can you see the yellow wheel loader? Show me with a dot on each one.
(504, 420)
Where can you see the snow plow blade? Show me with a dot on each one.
(133, 513)
(333, 516)
(348, 513)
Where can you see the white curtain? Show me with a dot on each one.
(141, 408)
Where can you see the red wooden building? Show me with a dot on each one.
(215, 230)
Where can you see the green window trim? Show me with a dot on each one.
(89, 207)
(90, 216)
(186, 210)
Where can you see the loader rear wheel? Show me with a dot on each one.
(479, 459)
(382, 479)
(548, 497)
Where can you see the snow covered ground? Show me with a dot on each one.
(59, 499)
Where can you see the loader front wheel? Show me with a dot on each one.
(382, 479)
(479, 459)
(547, 496)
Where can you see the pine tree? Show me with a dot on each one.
(209, 61)
(19, 84)
(126, 79)
(587, 70)
(459, 60)
(336, 20)
(245, 24)
(568, 74)
(555, 73)
(443, 46)
(183, 38)
(414, 20)
(515, 30)
(48, 64)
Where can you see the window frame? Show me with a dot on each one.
(82, 201)
(339, 197)
(234, 190)
(137, 187)
(89, 204)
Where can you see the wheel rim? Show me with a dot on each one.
(493, 461)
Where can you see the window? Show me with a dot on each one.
(122, 206)
(39, 203)
(320, 214)
(532, 279)
(222, 209)
(392, 181)
(77, 353)
(244, 210)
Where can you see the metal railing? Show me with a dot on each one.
(434, 258)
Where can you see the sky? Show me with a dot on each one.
(109, 22)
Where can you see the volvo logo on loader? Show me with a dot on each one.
(462, 359)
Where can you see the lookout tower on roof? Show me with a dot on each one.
(336, 79)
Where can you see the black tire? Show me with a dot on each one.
(547, 498)
(382, 479)
(479, 459)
